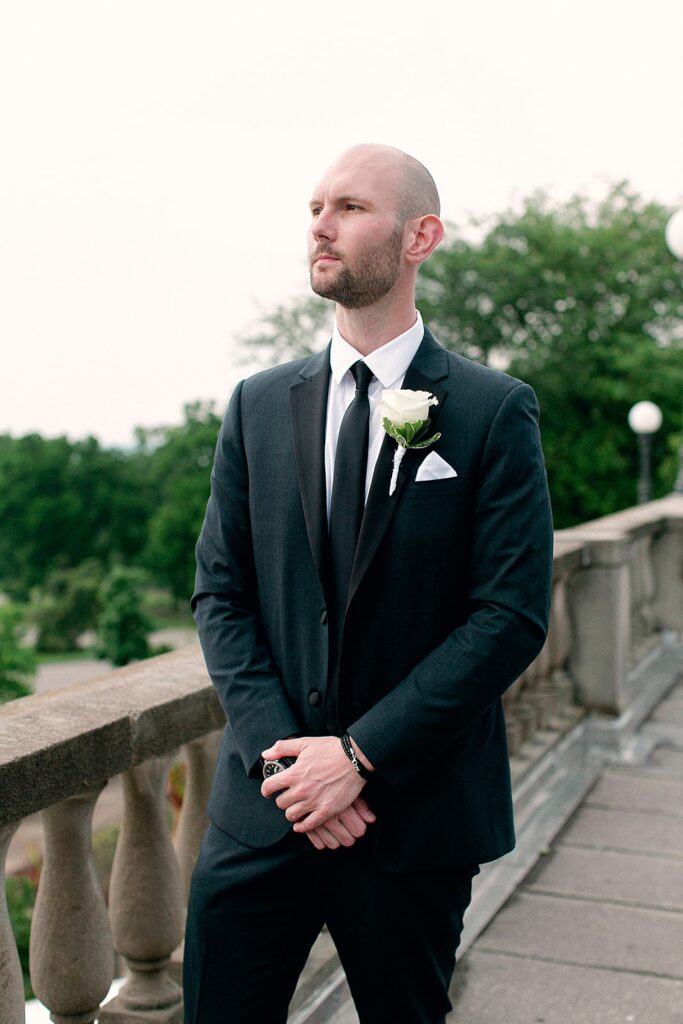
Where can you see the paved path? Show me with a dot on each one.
(54, 675)
(595, 933)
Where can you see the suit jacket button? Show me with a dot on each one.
(314, 698)
(323, 616)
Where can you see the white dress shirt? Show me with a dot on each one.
(388, 364)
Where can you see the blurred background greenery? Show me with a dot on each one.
(581, 299)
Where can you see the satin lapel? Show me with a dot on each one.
(429, 365)
(308, 410)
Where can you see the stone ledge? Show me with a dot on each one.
(635, 521)
(59, 743)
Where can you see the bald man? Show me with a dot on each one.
(361, 613)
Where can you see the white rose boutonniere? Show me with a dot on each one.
(405, 417)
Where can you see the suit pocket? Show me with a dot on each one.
(435, 488)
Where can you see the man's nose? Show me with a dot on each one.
(323, 226)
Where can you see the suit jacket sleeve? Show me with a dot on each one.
(508, 604)
(225, 605)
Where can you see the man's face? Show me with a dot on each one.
(355, 241)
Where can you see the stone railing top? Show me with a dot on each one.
(633, 522)
(56, 744)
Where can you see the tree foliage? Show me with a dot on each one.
(62, 502)
(17, 663)
(587, 304)
(179, 471)
(66, 606)
(293, 329)
(122, 627)
(580, 299)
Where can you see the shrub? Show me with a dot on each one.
(17, 663)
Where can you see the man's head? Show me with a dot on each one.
(375, 218)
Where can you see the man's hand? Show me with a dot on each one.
(345, 828)
(318, 787)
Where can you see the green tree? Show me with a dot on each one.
(179, 470)
(62, 502)
(583, 301)
(122, 627)
(588, 304)
(294, 329)
(67, 605)
(17, 663)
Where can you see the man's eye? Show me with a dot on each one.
(353, 206)
(315, 211)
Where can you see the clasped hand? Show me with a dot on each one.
(320, 793)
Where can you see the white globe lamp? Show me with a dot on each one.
(674, 234)
(645, 419)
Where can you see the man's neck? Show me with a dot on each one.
(372, 326)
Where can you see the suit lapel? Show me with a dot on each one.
(429, 365)
(308, 410)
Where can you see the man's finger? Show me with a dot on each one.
(314, 820)
(339, 830)
(285, 748)
(277, 782)
(316, 840)
(330, 841)
(297, 811)
(362, 807)
(353, 821)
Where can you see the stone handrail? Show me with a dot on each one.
(57, 751)
(618, 583)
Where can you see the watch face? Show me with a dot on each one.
(272, 768)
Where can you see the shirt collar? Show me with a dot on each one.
(388, 363)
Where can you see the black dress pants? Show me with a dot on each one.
(254, 914)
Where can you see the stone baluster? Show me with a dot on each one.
(648, 587)
(559, 644)
(514, 726)
(11, 981)
(525, 711)
(600, 603)
(200, 756)
(542, 696)
(71, 955)
(641, 594)
(145, 902)
(667, 567)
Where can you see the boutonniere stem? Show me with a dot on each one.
(405, 419)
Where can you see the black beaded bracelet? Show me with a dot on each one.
(347, 747)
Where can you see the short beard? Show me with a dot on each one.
(376, 272)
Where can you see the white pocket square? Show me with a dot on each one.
(434, 468)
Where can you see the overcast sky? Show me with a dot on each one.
(157, 158)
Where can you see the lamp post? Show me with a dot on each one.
(674, 239)
(645, 419)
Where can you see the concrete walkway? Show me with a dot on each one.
(594, 935)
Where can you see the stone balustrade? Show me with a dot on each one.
(618, 584)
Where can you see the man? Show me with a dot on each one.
(360, 631)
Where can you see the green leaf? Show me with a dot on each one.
(425, 444)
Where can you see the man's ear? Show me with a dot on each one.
(424, 235)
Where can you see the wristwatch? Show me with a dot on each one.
(273, 767)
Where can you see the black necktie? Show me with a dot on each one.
(348, 486)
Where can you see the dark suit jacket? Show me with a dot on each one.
(448, 604)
